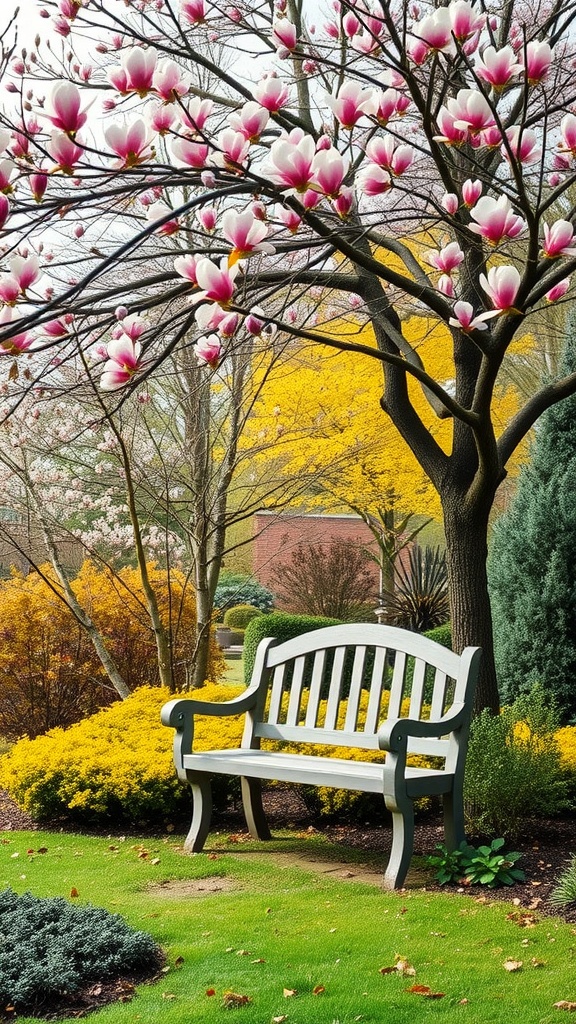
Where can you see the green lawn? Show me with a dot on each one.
(256, 923)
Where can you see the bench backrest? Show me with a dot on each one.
(336, 685)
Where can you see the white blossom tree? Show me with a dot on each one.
(216, 165)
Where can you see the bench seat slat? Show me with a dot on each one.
(363, 776)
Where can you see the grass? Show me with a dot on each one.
(277, 926)
(234, 671)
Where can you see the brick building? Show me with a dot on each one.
(276, 536)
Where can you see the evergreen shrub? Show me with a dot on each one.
(282, 626)
(237, 588)
(516, 768)
(240, 615)
(51, 949)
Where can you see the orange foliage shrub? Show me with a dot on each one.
(50, 674)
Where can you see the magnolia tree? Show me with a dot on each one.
(401, 159)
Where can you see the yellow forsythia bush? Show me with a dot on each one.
(50, 674)
(566, 742)
(115, 765)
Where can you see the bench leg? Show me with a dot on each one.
(253, 809)
(402, 842)
(201, 812)
(453, 809)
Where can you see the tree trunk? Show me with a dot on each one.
(466, 528)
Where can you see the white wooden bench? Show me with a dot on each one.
(296, 694)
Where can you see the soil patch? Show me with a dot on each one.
(93, 997)
(192, 887)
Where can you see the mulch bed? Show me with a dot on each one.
(547, 847)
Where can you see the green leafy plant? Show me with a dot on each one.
(52, 949)
(482, 865)
(564, 892)
(236, 588)
(240, 615)
(419, 598)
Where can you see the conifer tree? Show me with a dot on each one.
(531, 571)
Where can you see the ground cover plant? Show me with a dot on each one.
(260, 923)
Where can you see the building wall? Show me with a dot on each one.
(32, 545)
(276, 537)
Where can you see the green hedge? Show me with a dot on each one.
(442, 635)
(283, 627)
(240, 615)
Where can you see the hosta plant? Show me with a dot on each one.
(482, 865)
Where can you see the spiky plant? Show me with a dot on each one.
(564, 892)
(419, 600)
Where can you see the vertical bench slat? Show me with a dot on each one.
(276, 695)
(376, 685)
(335, 688)
(397, 687)
(295, 692)
(438, 696)
(355, 689)
(417, 693)
(315, 689)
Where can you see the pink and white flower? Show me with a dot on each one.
(329, 168)
(250, 120)
(537, 60)
(384, 151)
(568, 131)
(9, 289)
(246, 235)
(64, 151)
(450, 202)
(495, 219)
(290, 163)
(471, 191)
(25, 271)
(208, 350)
(373, 180)
(190, 152)
(136, 73)
(194, 11)
(446, 260)
(122, 363)
(217, 283)
(465, 21)
(185, 266)
(284, 34)
(465, 320)
(558, 239)
(169, 81)
(64, 108)
(435, 31)
(272, 93)
(446, 285)
(160, 211)
(290, 219)
(498, 67)
(207, 217)
(351, 103)
(233, 149)
(523, 144)
(131, 143)
(197, 113)
(468, 111)
(501, 286)
(4, 210)
(558, 291)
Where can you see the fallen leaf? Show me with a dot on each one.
(512, 965)
(74, 893)
(258, 961)
(210, 991)
(179, 961)
(536, 962)
(155, 860)
(280, 1019)
(290, 992)
(213, 856)
(463, 1002)
(243, 952)
(565, 1004)
(318, 990)
(401, 966)
(30, 851)
(230, 1000)
(426, 991)
(168, 995)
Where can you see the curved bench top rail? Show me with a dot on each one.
(367, 635)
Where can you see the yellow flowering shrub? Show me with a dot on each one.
(566, 742)
(117, 764)
(50, 674)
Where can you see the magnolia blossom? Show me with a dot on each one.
(568, 130)
(161, 116)
(466, 21)
(290, 162)
(197, 113)
(245, 233)
(384, 151)
(185, 266)
(250, 120)
(329, 168)
(233, 146)
(351, 103)
(468, 111)
(136, 73)
(208, 350)
(194, 11)
(523, 144)
(217, 283)
(64, 151)
(9, 289)
(4, 210)
(450, 202)
(169, 81)
(447, 259)
(272, 94)
(130, 143)
(501, 286)
(207, 217)
(122, 363)
(558, 239)
(24, 270)
(558, 291)
(537, 59)
(498, 67)
(434, 32)
(446, 285)
(284, 34)
(160, 211)
(373, 180)
(64, 108)
(464, 318)
(290, 219)
(471, 191)
(495, 219)
(190, 152)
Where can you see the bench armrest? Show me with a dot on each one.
(393, 734)
(179, 714)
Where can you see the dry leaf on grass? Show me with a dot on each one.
(230, 1000)
(513, 965)
(426, 991)
(290, 992)
(565, 1004)
(318, 990)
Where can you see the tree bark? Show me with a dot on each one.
(466, 528)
